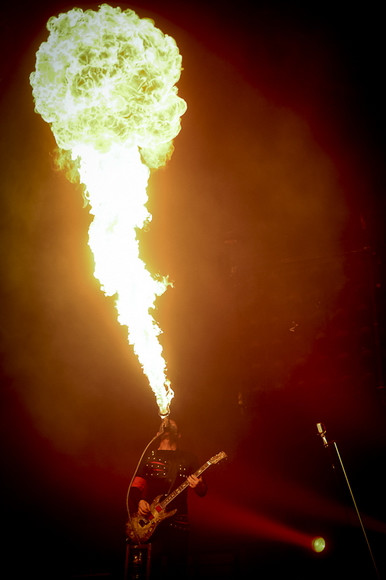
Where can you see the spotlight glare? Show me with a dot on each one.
(318, 544)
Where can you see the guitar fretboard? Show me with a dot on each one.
(183, 485)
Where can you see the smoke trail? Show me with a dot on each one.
(105, 82)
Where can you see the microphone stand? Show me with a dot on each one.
(322, 432)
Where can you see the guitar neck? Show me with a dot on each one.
(183, 485)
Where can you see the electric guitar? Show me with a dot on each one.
(140, 528)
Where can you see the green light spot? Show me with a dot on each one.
(318, 544)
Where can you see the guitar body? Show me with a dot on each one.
(141, 528)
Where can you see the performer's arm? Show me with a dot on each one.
(137, 491)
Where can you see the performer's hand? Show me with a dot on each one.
(143, 508)
(198, 484)
(194, 480)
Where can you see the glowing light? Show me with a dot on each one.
(222, 516)
(318, 544)
(105, 81)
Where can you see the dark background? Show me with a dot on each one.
(269, 220)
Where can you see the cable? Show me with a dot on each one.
(132, 479)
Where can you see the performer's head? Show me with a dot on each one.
(169, 430)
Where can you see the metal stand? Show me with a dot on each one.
(322, 432)
(137, 561)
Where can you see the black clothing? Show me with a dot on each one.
(164, 470)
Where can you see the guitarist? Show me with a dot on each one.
(160, 472)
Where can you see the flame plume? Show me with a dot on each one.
(105, 82)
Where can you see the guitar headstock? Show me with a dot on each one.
(217, 458)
